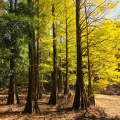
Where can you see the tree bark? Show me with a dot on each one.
(31, 103)
(79, 99)
(53, 97)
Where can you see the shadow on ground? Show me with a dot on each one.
(96, 114)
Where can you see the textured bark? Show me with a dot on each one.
(53, 97)
(80, 96)
(31, 103)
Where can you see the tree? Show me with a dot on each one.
(13, 39)
(94, 13)
(79, 94)
(31, 103)
(53, 97)
(90, 92)
(66, 89)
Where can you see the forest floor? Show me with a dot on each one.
(107, 108)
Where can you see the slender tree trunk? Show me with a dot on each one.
(12, 94)
(66, 90)
(16, 4)
(10, 99)
(60, 75)
(16, 94)
(90, 92)
(42, 89)
(61, 84)
(38, 59)
(53, 97)
(38, 86)
(11, 5)
(79, 99)
(28, 106)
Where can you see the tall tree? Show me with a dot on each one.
(31, 103)
(53, 97)
(12, 86)
(66, 89)
(38, 56)
(90, 92)
(79, 100)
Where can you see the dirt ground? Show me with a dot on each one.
(107, 108)
(110, 104)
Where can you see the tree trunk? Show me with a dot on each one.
(60, 75)
(12, 94)
(38, 86)
(11, 5)
(66, 90)
(90, 92)
(53, 97)
(79, 99)
(16, 4)
(60, 83)
(31, 103)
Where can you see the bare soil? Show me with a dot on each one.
(110, 104)
(107, 108)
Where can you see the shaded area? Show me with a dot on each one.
(95, 114)
(61, 111)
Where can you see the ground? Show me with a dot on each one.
(107, 108)
(110, 104)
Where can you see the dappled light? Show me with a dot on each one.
(59, 59)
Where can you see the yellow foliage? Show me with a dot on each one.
(100, 85)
